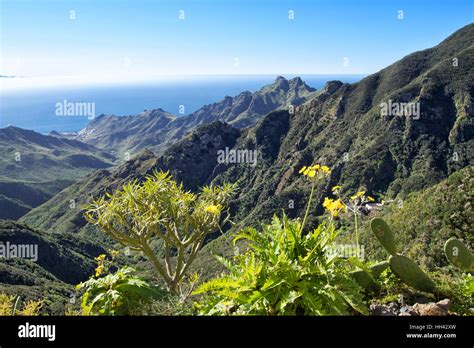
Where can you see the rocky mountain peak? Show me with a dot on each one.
(281, 83)
(297, 82)
(332, 86)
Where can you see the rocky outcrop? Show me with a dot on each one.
(440, 308)
(158, 129)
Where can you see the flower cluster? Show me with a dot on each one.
(315, 171)
(100, 265)
(212, 209)
(334, 207)
(103, 265)
(362, 197)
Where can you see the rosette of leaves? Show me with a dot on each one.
(283, 272)
(121, 293)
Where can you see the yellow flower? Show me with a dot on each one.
(315, 170)
(113, 253)
(334, 207)
(326, 169)
(99, 270)
(336, 188)
(101, 257)
(327, 202)
(339, 205)
(212, 209)
(370, 199)
(358, 194)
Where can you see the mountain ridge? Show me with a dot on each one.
(386, 156)
(157, 129)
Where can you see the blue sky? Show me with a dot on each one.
(143, 39)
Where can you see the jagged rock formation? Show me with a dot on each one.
(341, 126)
(158, 129)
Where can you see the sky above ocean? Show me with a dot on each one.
(36, 108)
(126, 56)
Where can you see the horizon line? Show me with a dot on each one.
(19, 83)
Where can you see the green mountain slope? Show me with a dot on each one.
(425, 220)
(424, 161)
(59, 215)
(34, 167)
(341, 127)
(62, 261)
(193, 155)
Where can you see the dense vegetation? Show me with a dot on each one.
(35, 167)
(425, 220)
(282, 270)
(418, 170)
(285, 268)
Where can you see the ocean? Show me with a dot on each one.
(35, 108)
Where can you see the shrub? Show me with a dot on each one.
(9, 305)
(284, 273)
(160, 209)
(121, 293)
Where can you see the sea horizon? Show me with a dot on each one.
(34, 108)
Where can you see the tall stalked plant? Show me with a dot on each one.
(285, 271)
(159, 208)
